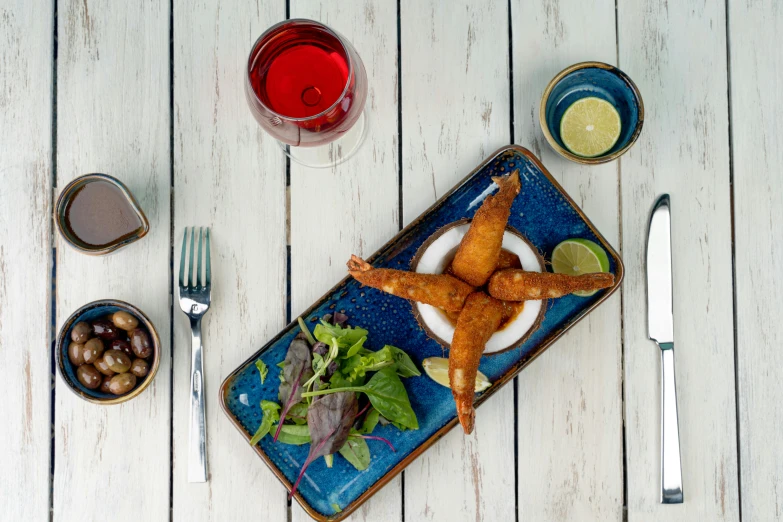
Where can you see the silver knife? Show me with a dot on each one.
(660, 327)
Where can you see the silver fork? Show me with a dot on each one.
(194, 299)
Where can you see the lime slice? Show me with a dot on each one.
(590, 127)
(579, 256)
(437, 369)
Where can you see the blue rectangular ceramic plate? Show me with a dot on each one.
(542, 212)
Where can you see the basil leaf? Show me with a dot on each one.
(405, 365)
(262, 369)
(294, 435)
(356, 451)
(271, 415)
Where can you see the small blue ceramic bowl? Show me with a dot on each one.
(599, 80)
(90, 312)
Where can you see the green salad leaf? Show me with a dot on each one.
(262, 370)
(294, 434)
(356, 451)
(305, 331)
(357, 348)
(271, 411)
(345, 337)
(356, 366)
(405, 366)
(297, 414)
(387, 395)
(370, 421)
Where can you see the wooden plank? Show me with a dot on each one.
(456, 111)
(676, 52)
(570, 400)
(25, 257)
(113, 117)
(229, 175)
(757, 147)
(353, 208)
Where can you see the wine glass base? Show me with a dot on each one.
(330, 154)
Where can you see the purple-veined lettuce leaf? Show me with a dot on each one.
(329, 419)
(297, 370)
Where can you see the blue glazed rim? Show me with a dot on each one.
(565, 152)
(513, 371)
(88, 312)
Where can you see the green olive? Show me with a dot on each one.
(105, 384)
(124, 320)
(75, 353)
(93, 349)
(141, 343)
(103, 367)
(117, 361)
(89, 376)
(122, 383)
(81, 332)
(140, 368)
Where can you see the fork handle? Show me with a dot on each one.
(197, 445)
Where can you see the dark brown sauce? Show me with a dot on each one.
(99, 214)
(510, 310)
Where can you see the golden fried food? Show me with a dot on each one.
(478, 253)
(518, 285)
(441, 290)
(507, 260)
(479, 319)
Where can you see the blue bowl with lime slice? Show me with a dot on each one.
(581, 92)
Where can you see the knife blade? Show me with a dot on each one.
(660, 318)
(660, 327)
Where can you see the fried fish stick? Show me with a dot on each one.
(441, 290)
(478, 253)
(517, 285)
(508, 260)
(479, 319)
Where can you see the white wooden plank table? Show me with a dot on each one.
(151, 92)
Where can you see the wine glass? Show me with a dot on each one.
(306, 86)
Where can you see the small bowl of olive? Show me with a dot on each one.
(108, 351)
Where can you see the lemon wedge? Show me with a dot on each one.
(437, 369)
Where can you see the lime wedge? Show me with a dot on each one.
(590, 127)
(437, 369)
(579, 256)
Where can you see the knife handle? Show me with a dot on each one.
(671, 470)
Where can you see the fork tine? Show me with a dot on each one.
(191, 275)
(198, 269)
(182, 259)
(209, 265)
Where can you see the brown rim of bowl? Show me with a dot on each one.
(435, 235)
(64, 198)
(59, 350)
(570, 155)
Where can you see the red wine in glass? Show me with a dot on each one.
(306, 85)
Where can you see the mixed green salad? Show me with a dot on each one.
(334, 391)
